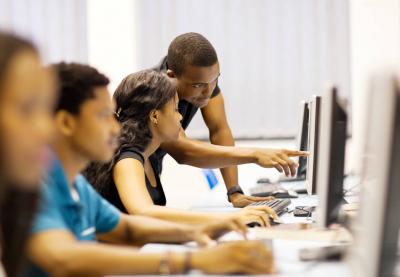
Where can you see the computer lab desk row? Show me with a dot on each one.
(285, 240)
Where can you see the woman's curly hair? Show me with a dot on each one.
(136, 96)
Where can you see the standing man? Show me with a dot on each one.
(193, 62)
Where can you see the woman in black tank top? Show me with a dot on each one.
(147, 108)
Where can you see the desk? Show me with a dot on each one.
(285, 250)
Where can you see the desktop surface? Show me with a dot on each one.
(286, 252)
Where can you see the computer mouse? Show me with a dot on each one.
(276, 221)
(264, 181)
(284, 194)
(301, 190)
(253, 224)
(281, 193)
(272, 221)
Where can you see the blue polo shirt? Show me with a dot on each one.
(84, 218)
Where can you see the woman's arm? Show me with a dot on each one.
(130, 181)
(138, 230)
(129, 178)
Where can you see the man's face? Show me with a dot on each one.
(95, 130)
(197, 83)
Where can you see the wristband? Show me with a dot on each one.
(233, 190)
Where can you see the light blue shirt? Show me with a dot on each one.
(84, 218)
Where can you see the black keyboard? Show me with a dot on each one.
(278, 205)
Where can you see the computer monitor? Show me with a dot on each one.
(313, 141)
(331, 156)
(302, 144)
(376, 227)
(302, 139)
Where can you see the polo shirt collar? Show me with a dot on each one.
(60, 182)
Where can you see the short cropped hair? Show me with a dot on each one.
(76, 85)
(190, 49)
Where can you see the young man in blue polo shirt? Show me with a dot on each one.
(73, 218)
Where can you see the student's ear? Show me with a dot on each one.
(170, 73)
(65, 122)
(154, 117)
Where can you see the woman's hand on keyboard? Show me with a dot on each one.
(258, 214)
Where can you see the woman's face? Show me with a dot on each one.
(169, 122)
(27, 97)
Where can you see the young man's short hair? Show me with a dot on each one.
(190, 49)
(76, 85)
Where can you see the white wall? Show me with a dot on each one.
(272, 53)
(57, 27)
(375, 44)
(98, 32)
(111, 36)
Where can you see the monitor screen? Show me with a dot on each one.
(313, 141)
(302, 138)
(331, 156)
(376, 227)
